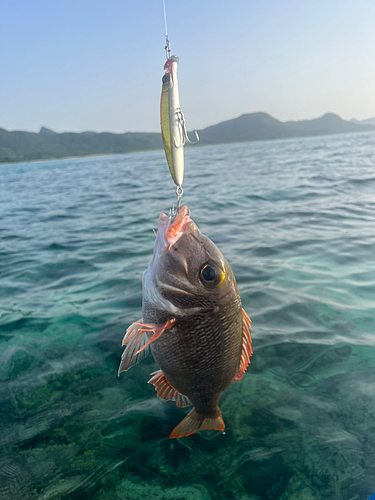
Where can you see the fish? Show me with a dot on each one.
(172, 121)
(193, 322)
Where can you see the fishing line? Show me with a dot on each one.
(167, 46)
(172, 119)
(165, 20)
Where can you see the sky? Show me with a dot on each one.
(75, 65)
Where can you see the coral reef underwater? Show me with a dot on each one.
(300, 425)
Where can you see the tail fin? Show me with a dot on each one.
(195, 421)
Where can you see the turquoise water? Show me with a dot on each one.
(296, 220)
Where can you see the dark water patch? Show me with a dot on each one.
(62, 283)
(33, 324)
(255, 198)
(265, 251)
(18, 237)
(92, 290)
(366, 180)
(57, 247)
(7, 291)
(267, 479)
(55, 270)
(16, 360)
(119, 254)
(27, 210)
(322, 178)
(59, 217)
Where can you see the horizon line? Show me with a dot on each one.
(157, 132)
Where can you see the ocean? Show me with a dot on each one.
(296, 220)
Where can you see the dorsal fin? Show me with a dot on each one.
(166, 391)
(246, 346)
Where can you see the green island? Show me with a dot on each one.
(19, 146)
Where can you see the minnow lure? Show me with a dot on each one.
(172, 121)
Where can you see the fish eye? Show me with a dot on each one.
(208, 273)
(211, 275)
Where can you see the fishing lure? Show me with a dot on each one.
(172, 121)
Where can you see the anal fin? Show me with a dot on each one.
(246, 346)
(195, 421)
(166, 391)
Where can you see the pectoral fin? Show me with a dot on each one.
(246, 346)
(166, 391)
(137, 343)
(157, 330)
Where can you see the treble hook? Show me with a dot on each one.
(184, 138)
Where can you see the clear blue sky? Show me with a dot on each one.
(74, 65)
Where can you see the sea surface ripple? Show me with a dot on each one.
(296, 220)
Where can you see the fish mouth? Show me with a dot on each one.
(177, 227)
(172, 230)
(169, 231)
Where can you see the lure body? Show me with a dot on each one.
(170, 121)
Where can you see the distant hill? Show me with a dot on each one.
(369, 121)
(260, 126)
(26, 146)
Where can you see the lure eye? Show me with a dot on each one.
(211, 275)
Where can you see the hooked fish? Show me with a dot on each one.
(193, 322)
(172, 121)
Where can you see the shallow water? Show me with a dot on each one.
(296, 220)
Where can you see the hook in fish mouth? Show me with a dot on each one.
(169, 231)
(173, 229)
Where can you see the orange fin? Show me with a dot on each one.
(166, 391)
(136, 341)
(246, 346)
(158, 331)
(194, 421)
